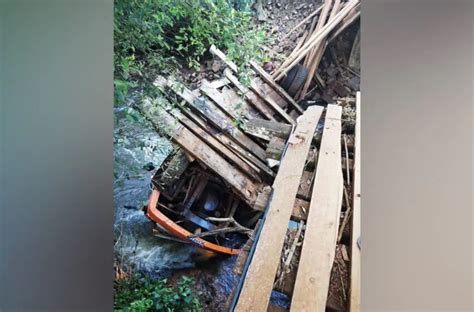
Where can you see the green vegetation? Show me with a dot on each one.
(160, 36)
(139, 294)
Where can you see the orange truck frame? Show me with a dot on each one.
(157, 216)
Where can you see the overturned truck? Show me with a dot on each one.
(216, 185)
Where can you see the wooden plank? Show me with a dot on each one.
(233, 97)
(305, 20)
(350, 141)
(267, 129)
(319, 245)
(231, 144)
(162, 119)
(215, 51)
(315, 38)
(272, 93)
(216, 117)
(312, 60)
(280, 111)
(243, 186)
(354, 302)
(219, 83)
(258, 284)
(268, 79)
(218, 146)
(275, 148)
(228, 106)
(299, 212)
(255, 87)
(348, 20)
(250, 96)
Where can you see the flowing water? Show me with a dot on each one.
(138, 151)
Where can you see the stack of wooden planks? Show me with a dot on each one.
(334, 17)
(308, 281)
(242, 134)
(236, 131)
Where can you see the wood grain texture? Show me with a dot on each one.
(258, 284)
(233, 106)
(231, 144)
(354, 302)
(201, 151)
(319, 245)
(266, 129)
(253, 86)
(192, 144)
(268, 79)
(250, 96)
(223, 150)
(270, 102)
(313, 41)
(217, 118)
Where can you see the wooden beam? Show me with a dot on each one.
(162, 119)
(272, 93)
(253, 86)
(219, 83)
(250, 96)
(275, 148)
(299, 212)
(258, 284)
(351, 17)
(234, 108)
(231, 144)
(319, 245)
(232, 96)
(268, 79)
(216, 117)
(305, 20)
(317, 53)
(266, 129)
(316, 38)
(354, 302)
(280, 111)
(215, 51)
(218, 146)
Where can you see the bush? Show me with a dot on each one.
(139, 294)
(152, 36)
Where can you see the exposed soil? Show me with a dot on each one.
(282, 16)
(339, 80)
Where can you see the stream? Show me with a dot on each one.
(138, 151)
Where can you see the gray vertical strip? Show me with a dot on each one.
(56, 134)
(2, 195)
(417, 155)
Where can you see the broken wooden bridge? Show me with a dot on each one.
(251, 160)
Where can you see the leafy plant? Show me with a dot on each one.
(152, 36)
(139, 294)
